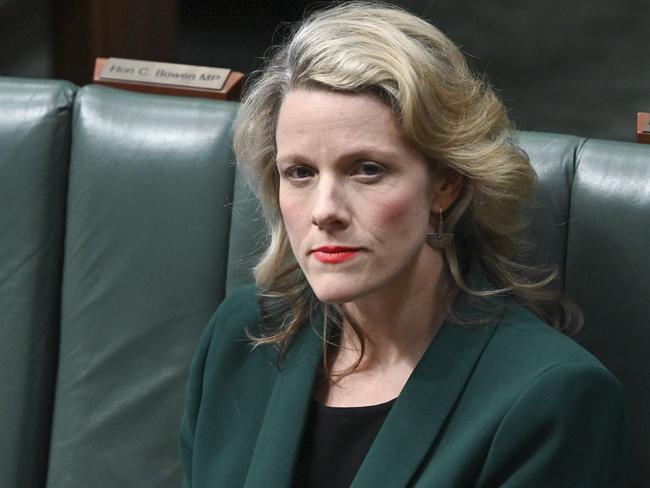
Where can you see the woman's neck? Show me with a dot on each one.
(397, 329)
(397, 323)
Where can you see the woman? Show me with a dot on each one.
(391, 339)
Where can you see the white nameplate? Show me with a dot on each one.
(164, 73)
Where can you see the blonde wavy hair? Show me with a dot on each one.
(451, 115)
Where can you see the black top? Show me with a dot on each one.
(335, 443)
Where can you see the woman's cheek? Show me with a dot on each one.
(399, 212)
(295, 214)
(288, 203)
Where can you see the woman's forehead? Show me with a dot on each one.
(312, 118)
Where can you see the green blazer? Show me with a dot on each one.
(512, 403)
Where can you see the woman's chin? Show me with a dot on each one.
(334, 295)
(342, 291)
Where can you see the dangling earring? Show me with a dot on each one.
(440, 239)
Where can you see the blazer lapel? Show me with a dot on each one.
(415, 421)
(280, 437)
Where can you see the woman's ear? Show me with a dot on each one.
(446, 188)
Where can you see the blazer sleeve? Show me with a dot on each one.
(567, 429)
(193, 396)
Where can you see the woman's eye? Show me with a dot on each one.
(370, 169)
(299, 172)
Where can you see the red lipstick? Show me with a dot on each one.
(334, 254)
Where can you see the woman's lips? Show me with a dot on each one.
(334, 254)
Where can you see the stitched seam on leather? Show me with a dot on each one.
(576, 155)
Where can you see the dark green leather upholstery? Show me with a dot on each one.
(553, 156)
(608, 274)
(34, 143)
(145, 264)
(603, 223)
(150, 248)
(247, 235)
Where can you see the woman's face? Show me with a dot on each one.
(356, 197)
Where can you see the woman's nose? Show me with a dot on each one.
(329, 210)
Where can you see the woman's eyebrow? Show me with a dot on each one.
(292, 158)
(360, 153)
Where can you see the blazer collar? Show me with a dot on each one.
(410, 429)
(279, 440)
(428, 398)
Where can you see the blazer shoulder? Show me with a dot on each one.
(520, 329)
(237, 313)
(547, 391)
(576, 408)
(523, 347)
(239, 309)
(241, 299)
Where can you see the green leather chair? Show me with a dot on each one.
(34, 149)
(147, 226)
(591, 217)
(116, 249)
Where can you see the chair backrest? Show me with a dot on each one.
(608, 274)
(592, 211)
(34, 145)
(148, 219)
